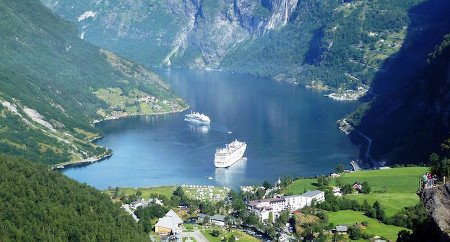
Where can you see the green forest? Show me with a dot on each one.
(339, 45)
(49, 71)
(43, 205)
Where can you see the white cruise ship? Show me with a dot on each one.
(198, 118)
(232, 152)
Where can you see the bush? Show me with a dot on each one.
(215, 233)
(354, 233)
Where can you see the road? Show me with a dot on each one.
(128, 209)
(197, 235)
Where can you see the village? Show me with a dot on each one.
(344, 205)
(205, 213)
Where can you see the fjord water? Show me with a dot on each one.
(289, 131)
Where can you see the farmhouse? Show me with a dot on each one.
(169, 224)
(216, 219)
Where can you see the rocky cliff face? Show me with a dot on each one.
(437, 203)
(410, 117)
(193, 33)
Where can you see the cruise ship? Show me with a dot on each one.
(198, 118)
(232, 152)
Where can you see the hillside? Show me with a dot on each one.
(409, 118)
(43, 205)
(53, 86)
(323, 45)
(395, 188)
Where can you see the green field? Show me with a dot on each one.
(374, 227)
(299, 186)
(394, 188)
(243, 237)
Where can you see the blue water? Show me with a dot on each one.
(289, 131)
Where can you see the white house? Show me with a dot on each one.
(169, 224)
(263, 207)
(218, 220)
(318, 196)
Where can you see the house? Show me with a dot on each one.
(218, 220)
(340, 229)
(334, 175)
(264, 207)
(317, 195)
(358, 187)
(169, 224)
(337, 192)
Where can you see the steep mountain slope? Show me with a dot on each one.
(43, 205)
(323, 44)
(409, 119)
(53, 85)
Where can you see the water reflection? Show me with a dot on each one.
(199, 128)
(232, 175)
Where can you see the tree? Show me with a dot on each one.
(354, 232)
(179, 192)
(404, 236)
(441, 168)
(260, 193)
(207, 208)
(346, 189)
(215, 233)
(365, 206)
(365, 188)
(267, 185)
(323, 182)
(340, 168)
(379, 212)
(138, 193)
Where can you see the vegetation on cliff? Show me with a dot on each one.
(43, 205)
(49, 79)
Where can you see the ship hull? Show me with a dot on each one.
(196, 121)
(221, 161)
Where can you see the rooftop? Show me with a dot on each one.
(170, 221)
(312, 193)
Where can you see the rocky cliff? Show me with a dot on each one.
(322, 44)
(437, 203)
(194, 33)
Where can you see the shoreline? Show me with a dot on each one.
(364, 148)
(136, 115)
(87, 161)
(109, 153)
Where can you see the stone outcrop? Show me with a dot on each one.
(437, 203)
(192, 33)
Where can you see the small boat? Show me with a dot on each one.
(229, 132)
(210, 178)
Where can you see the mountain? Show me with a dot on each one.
(409, 118)
(53, 86)
(43, 205)
(325, 45)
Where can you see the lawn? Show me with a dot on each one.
(393, 188)
(299, 186)
(243, 237)
(374, 227)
